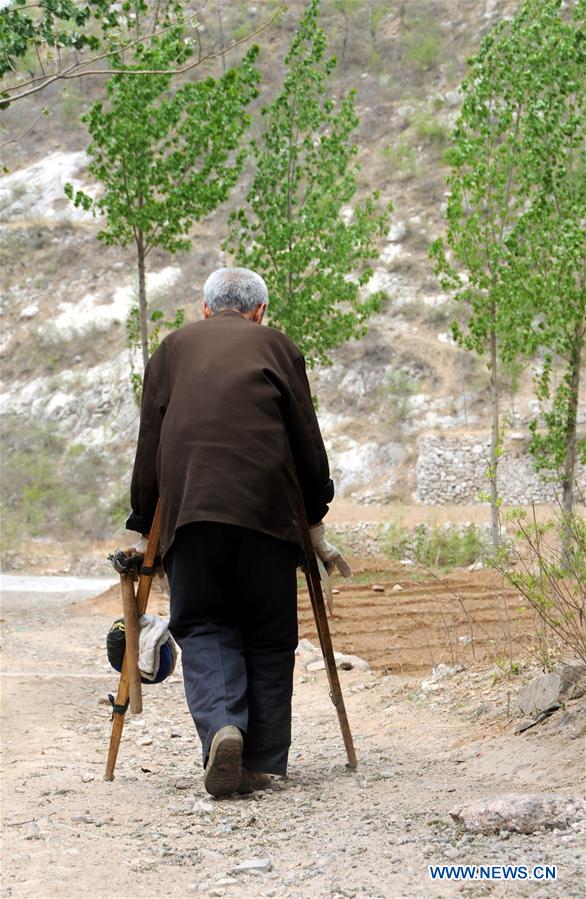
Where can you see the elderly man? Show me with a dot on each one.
(228, 436)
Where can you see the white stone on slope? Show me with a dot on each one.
(93, 311)
(37, 191)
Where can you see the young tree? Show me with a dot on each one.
(516, 210)
(548, 246)
(164, 159)
(293, 229)
(347, 9)
(483, 206)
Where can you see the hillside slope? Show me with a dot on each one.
(404, 411)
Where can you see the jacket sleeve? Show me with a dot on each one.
(307, 446)
(144, 490)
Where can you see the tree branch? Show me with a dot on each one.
(72, 71)
(25, 131)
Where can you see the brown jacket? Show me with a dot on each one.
(226, 419)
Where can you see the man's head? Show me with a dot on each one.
(235, 288)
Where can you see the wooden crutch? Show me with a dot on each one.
(323, 630)
(129, 691)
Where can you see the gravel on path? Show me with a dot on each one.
(325, 831)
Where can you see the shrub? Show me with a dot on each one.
(423, 45)
(429, 129)
(550, 578)
(71, 106)
(434, 546)
(401, 158)
(398, 386)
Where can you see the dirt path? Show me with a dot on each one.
(328, 832)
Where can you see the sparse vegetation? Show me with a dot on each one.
(423, 44)
(546, 563)
(435, 546)
(49, 485)
(47, 351)
(402, 159)
(428, 129)
(399, 385)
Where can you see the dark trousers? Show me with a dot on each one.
(234, 615)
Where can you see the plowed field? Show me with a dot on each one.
(460, 617)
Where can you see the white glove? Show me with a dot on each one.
(329, 555)
(154, 632)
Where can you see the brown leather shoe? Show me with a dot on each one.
(253, 780)
(223, 772)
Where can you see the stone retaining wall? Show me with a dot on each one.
(454, 470)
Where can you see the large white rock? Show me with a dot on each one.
(520, 814)
(37, 191)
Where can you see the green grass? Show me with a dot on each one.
(401, 158)
(429, 130)
(423, 45)
(49, 487)
(434, 546)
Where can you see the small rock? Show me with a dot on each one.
(397, 232)
(378, 588)
(430, 685)
(347, 663)
(476, 566)
(440, 671)
(87, 778)
(145, 741)
(305, 646)
(406, 562)
(335, 591)
(520, 814)
(451, 852)
(182, 784)
(397, 588)
(142, 864)
(33, 832)
(253, 865)
(318, 665)
(29, 312)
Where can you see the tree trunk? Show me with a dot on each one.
(571, 436)
(345, 40)
(494, 440)
(142, 299)
(221, 30)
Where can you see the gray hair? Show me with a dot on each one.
(235, 288)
